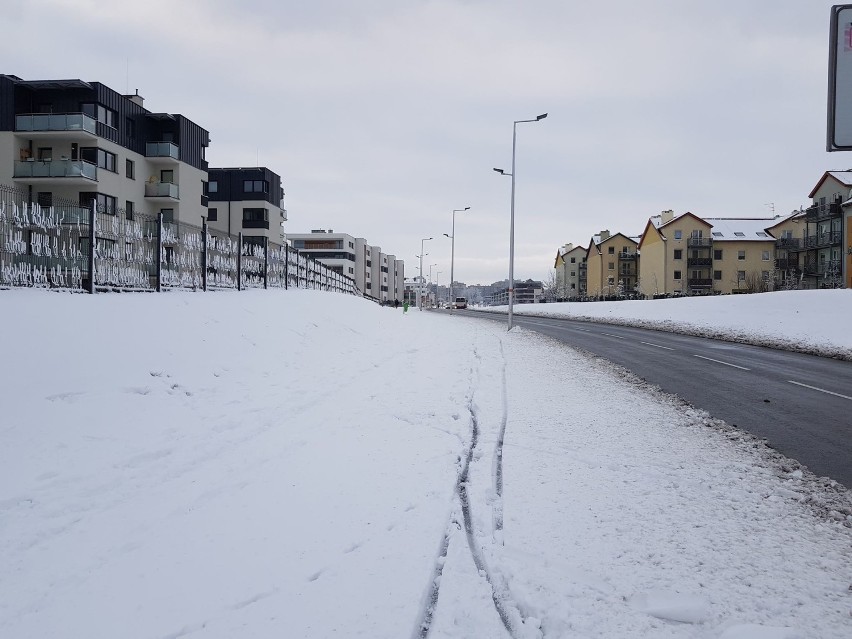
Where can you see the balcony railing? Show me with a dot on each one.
(255, 224)
(627, 255)
(162, 150)
(699, 261)
(821, 211)
(699, 282)
(37, 122)
(786, 264)
(828, 238)
(55, 169)
(823, 269)
(162, 189)
(699, 241)
(789, 243)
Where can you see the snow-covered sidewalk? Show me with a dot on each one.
(305, 464)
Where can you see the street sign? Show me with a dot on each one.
(839, 136)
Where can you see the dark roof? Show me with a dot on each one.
(54, 84)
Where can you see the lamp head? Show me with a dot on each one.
(541, 117)
(500, 171)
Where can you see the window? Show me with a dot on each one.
(168, 215)
(717, 275)
(678, 235)
(255, 218)
(787, 235)
(130, 169)
(212, 186)
(612, 266)
(717, 233)
(351, 245)
(677, 275)
(44, 199)
(369, 263)
(212, 215)
(740, 276)
(45, 153)
(697, 233)
(610, 281)
(765, 256)
(573, 274)
(103, 159)
(105, 203)
(678, 254)
(255, 186)
(167, 176)
(351, 270)
(741, 255)
(761, 234)
(611, 250)
(739, 234)
(717, 254)
(573, 260)
(130, 128)
(129, 209)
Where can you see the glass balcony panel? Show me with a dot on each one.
(56, 168)
(162, 150)
(162, 189)
(55, 122)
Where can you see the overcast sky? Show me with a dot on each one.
(382, 116)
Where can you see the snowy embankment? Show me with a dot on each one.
(815, 322)
(306, 464)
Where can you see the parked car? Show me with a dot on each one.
(460, 302)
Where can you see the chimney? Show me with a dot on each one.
(604, 235)
(136, 99)
(666, 216)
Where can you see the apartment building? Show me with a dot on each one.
(676, 255)
(247, 200)
(570, 265)
(824, 253)
(376, 274)
(743, 254)
(612, 265)
(77, 141)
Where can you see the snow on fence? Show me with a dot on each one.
(48, 245)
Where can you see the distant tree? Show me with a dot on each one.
(551, 286)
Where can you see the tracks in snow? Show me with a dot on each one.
(510, 613)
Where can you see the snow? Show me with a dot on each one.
(308, 464)
(811, 321)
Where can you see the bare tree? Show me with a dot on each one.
(551, 286)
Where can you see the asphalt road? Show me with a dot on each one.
(802, 404)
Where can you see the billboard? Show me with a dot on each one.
(840, 79)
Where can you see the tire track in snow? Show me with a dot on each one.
(498, 455)
(428, 612)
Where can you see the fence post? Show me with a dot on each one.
(286, 266)
(204, 255)
(240, 261)
(265, 262)
(159, 251)
(92, 241)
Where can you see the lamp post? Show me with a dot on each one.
(420, 296)
(429, 286)
(453, 251)
(512, 214)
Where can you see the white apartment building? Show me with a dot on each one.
(377, 275)
(247, 200)
(73, 141)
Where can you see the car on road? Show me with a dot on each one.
(460, 302)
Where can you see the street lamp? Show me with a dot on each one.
(453, 250)
(512, 214)
(420, 297)
(429, 286)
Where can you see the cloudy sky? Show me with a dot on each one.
(382, 116)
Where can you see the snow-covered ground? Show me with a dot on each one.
(307, 464)
(807, 321)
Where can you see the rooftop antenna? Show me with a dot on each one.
(771, 206)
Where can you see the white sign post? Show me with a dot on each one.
(839, 136)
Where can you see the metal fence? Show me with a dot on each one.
(50, 246)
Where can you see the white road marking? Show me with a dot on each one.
(657, 346)
(821, 390)
(611, 335)
(709, 359)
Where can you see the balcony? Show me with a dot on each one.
(700, 261)
(163, 190)
(627, 255)
(163, 152)
(789, 243)
(66, 171)
(65, 124)
(699, 282)
(829, 238)
(823, 211)
(783, 264)
(699, 242)
(823, 269)
(255, 224)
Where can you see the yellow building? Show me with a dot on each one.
(612, 265)
(824, 256)
(689, 255)
(788, 232)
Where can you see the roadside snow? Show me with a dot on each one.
(813, 321)
(305, 464)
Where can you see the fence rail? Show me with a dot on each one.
(50, 246)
